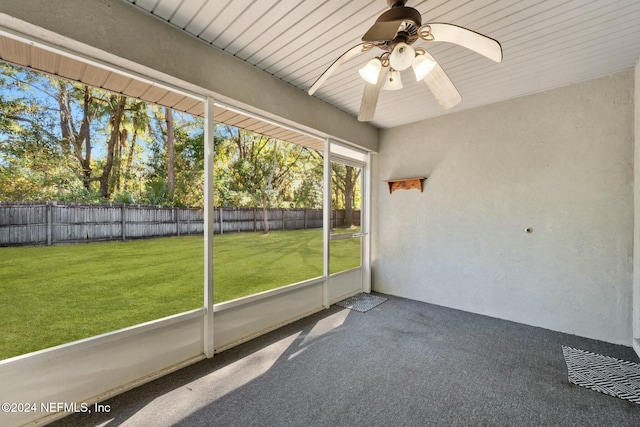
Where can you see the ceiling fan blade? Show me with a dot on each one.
(442, 87)
(370, 97)
(341, 60)
(467, 38)
(382, 31)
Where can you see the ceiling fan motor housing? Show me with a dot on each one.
(408, 18)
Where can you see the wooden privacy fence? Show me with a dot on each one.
(51, 223)
(54, 222)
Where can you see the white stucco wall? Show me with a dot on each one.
(636, 231)
(559, 162)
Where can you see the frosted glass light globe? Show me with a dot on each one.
(422, 66)
(393, 81)
(371, 71)
(402, 56)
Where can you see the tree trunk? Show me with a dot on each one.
(85, 137)
(128, 169)
(266, 191)
(117, 183)
(171, 153)
(265, 218)
(79, 143)
(349, 185)
(115, 120)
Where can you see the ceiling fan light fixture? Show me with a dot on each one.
(393, 81)
(422, 66)
(371, 71)
(402, 56)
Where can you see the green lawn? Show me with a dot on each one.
(53, 295)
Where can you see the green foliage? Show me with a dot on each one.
(81, 195)
(124, 198)
(32, 164)
(345, 181)
(253, 170)
(57, 136)
(156, 192)
(307, 190)
(66, 141)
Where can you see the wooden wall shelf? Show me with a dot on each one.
(405, 184)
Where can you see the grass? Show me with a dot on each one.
(54, 295)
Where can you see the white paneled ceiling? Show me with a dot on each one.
(546, 44)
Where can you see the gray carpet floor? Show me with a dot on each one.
(403, 363)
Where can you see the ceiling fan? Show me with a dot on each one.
(394, 32)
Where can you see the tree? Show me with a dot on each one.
(61, 140)
(345, 183)
(102, 113)
(117, 105)
(128, 168)
(76, 141)
(32, 165)
(260, 167)
(67, 141)
(171, 151)
(176, 157)
(306, 189)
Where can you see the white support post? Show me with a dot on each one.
(326, 223)
(209, 214)
(365, 226)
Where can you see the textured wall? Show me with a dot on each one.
(636, 231)
(559, 162)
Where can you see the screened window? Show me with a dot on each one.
(101, 219)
